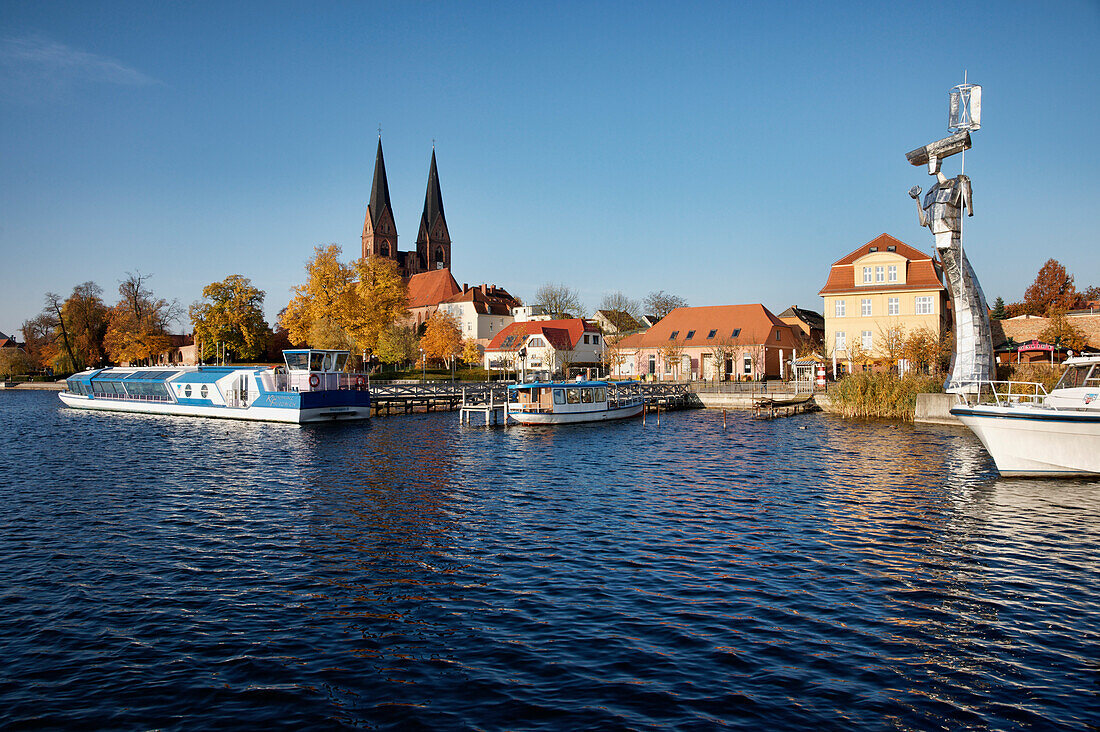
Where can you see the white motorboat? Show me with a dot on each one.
(566, 402)
(1030, 432)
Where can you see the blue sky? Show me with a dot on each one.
(725, 152)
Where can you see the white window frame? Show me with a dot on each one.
(867, 276)
(840, 341)
(867, 341)
(880, 273)
(865, 307)
(893, 306)
(839, 309)
(892, 273)
(923, 305)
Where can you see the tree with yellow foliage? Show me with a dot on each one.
(233, 316)
(345, 306)
(442, 336)
(381, 297)
(316, 311)
(471, 353)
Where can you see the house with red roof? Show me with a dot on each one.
(719, 342)
(546, 348)
(883, 290)
(481, 311)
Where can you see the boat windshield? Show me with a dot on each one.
(1082, 375)
(296, 361)
(316, 361)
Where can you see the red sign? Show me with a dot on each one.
(1035, 346)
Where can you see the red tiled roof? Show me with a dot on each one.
(564, 335)
(495, 300)
(920, 272)
(431, 288)
(754, 323)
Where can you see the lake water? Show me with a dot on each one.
(803, 572)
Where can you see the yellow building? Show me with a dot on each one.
(884, 290)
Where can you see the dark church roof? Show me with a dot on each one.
(380, 190)
(433, 199)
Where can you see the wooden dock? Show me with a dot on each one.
(770, 408)
(484, 403)
(492, 403)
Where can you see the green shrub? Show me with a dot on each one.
(882, 394)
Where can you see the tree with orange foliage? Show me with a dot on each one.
(442, 336)
(1053, 287)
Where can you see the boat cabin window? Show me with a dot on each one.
(187, 391)
(341, 359)
(601, 394)
(204, 391)
(573, 395)
(317, 361)
(296, 361)
(559, 396)
(1076, 376)
(586, 395)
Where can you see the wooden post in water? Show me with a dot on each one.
(723, 419)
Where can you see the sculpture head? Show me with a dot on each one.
(934, 152)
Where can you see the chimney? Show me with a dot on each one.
(465, 287)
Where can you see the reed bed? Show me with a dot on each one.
(882, 395)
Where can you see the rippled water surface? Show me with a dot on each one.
(804, 572)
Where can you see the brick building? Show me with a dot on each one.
(433, 240)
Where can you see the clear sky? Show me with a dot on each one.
(726, 152)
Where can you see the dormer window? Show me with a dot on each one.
(874, 249)
(736, 332)
(690, 335)
(891, 248)
(674, 334)
(712, 333)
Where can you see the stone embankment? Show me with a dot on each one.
(42, 385)
(936, 409)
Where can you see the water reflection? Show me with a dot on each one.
(787, 573)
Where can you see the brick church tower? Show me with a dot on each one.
(433, 242)
(379, 228)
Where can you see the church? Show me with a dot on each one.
(433, 241)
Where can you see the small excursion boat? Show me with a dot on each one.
(311, 387)
(566, 402)
(1030, 432)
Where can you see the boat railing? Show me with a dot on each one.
(1008, 393)
(131, 397)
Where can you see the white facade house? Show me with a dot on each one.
(481, 312)
(546, 348)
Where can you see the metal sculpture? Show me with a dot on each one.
(973, 360)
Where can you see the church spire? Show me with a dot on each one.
(433, 241)
(380, 190)
(379, 227)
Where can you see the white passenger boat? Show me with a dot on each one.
(1031, 432)
(311, 387)
(566, 402)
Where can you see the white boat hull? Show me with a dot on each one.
(603, 415)
(259, 414)
(1033, 441)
